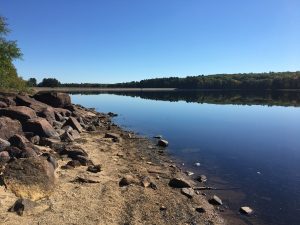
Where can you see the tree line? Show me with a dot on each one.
(244, 81)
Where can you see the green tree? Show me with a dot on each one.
(32, 82)
(49, 82)
(8, 52)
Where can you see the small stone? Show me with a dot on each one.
(27, 207)
(189, 192)
(163, 208)
(215, 200)
(127, 180)
(94, 168)
(163, 143)
(200, 210)
(197, 164)
(246, 210)
(146, 181)
(189, 173)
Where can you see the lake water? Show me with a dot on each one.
(249, 141)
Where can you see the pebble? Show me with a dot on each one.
(189, 192)
(197, 164)
(215, 200)
(189, 173)
(246, 210)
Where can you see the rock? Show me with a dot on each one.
(67, 128)
(50, 159)
(91, 128)
(200, 210)
(31, 178)
(57, 125)
(27, 207)
(197, 164)
(54, 99)
(58, 116)
(18, 141)
(158, 136)
(73, 163)
(73, 151)
(112, 135)
(74, 124)
(202, 178)
(75, 134)
(8, 100)
(48, 114)
(21, 113)
(163, 208)
(14, 152)
(189, 173)
(67, 137)
(4, 157)
(28, 152)
(63, 112)
(84, 161)
(127, 180)
(246, 210)
(215, 200)
(35, 139)
(94, 168)
(87, 179)
(111, 114)
(146, 181)
(189, 192)
(55, 144)
(3, 104)
(9, 127)
(162, 143)
(41, 127)
(3, 144)
(179, 183)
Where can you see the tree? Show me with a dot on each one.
(49, 82)
(31, 82)
(8, 52)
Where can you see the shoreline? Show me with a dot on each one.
(99, 198)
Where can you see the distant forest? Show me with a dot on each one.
(244, 81)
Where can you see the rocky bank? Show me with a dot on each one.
(62, 163)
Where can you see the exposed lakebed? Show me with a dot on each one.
(249, 142)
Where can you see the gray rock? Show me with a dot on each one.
(202, 178)
(189, 192)
(215, 200)
(162, 143)
(179, 183)
(94, 168)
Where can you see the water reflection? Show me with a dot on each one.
(270, 98)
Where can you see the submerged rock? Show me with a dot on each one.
(246, 210)
(162, 143)
(215, 200)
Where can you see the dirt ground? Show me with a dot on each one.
(105, 202)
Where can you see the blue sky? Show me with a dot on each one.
(123, 40)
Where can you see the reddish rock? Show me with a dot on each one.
(41, 127)
(59, 100)
(49, 114)
(9, 127)
(4, 157)
(74, 124)
(18, 141)
(63, 112)
(21, 113)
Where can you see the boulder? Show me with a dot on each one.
(67, 137)
(14, 152)
(3, 144)
(58, 116)
(41, 127)
(179, 183)
(73, 151)
(9, 127)
(25, 100)
(63, 112)
(113, 136)
(8, 100)
(55, 144)
(74, 124)
(48, 114)
(215, 200)
(54, 99)
(18, 141)
(31, 178)
(21, 113)
(75, 134)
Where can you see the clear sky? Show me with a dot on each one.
(110, 41)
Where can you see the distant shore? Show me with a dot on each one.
(91, 89)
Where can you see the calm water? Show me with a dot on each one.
(238, 142)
